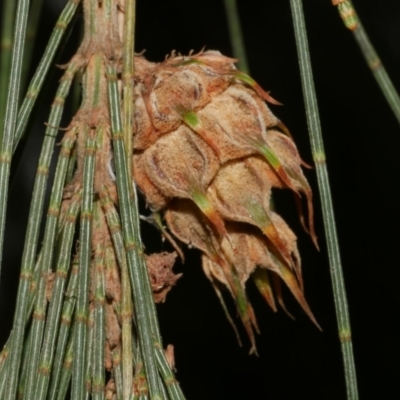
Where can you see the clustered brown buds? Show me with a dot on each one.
(207, 153)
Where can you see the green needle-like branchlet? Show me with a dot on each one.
(99, 229)
(128, 74)
(82, 306)
(126, 310)
(42, 69)
(4, 355)
(117, 372)
(66, 371)
(352, 22)
(54, 313)
(7, 131)
(89, 354)
(46, 265)
(7, 26)
(132, 241)
(92, 100)
(25, 364)
(318, 151)
(64, 331)
(32, 234)
(236, 35)
(30, 40)
(174, 390)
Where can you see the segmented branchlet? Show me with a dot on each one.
(87, 282)
(347, 13)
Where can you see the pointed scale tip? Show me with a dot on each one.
(191, 119)
(241, 76)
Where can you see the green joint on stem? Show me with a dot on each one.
(170, 381)
(118, 135)
(86, 215)
(81, 316)
(44, 369)
(42, 170)
(130, 246)
(111, 77)
(25, 274)
(5, 158)
(114, 228)
(66, 319)
(348, 15)
(319, 158)
(375, 63)
(38, 316)
(345, 336)
(61, 25)
(58, 101)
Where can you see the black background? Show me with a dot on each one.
(362, 140)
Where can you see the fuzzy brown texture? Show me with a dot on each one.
(207, 153)
(170, 356)
(110, 390)
(162, 279)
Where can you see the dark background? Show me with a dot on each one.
(362, 140)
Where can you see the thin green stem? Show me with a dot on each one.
(25, 363)
(236, 35)
(164, 393)
(3, 373)
(65, 328)
(128, 74)
(92, 101)
(37, 329)
(39, 316)
(352, 22)
(171, 383)
(41, 72)
(30, 40)
(7, 135)
(132, 241)
(100, 227)
(32, 233)
(318, 151)
(80, 362)
(126, 310)
(7, 30)
(167, 375)
(71, 166)
(4, 355)
(128, 86)
(54, 313)
(117, 371)
(90, 355)
(66, 371)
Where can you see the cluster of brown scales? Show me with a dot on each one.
(207, 153)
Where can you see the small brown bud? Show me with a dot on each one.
(162, 278)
